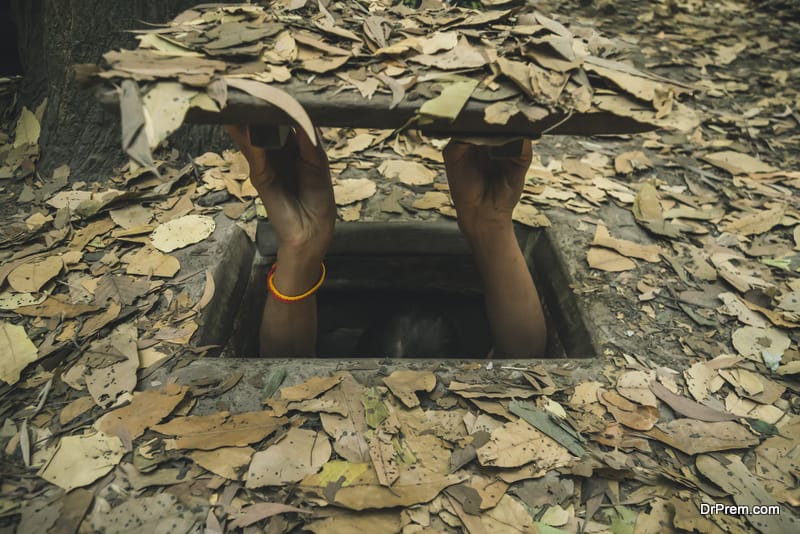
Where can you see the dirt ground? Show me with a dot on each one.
(118, 420)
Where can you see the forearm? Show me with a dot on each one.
(516, 318)
(289, 329)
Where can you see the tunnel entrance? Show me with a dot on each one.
(401, 289)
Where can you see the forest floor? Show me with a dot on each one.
(113, 419)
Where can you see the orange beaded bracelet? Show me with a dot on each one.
(285, 298)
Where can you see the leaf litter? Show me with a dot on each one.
(734, 393)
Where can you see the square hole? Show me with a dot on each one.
(399, 289)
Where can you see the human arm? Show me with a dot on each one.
(294, 184)
(485, 191)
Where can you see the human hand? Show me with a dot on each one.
(485, 190)
(294, 183)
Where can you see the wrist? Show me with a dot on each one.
(297, 270)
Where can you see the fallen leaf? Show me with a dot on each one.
(132, 216)
(432, 200)
(80, 460)
(627, 413)
(107, 381)
(350, 523)
(635, 386)
(627, 162)
(299, 453)
(403, 384)
(737, 163)
(11, 301)
(730, 474)
(181, 232)
(222, 429)
(147, 408)
(148, 261)
(227, 462)
(254, 513)
(30, 277)
(693, 437)
(529, 215)
(158, 513)
(608, 260)
(353, 190)
(753, 342)
(407, 172)
(688, 407)
(310, 389)
(756, 223)
(518, 443)
(355, 486)
(17, 350)
(602, 238)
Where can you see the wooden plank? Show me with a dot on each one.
(349, 109)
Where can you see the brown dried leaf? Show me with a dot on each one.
(227, 462)
(627, 413)
(146, 409)
(608, 260)
(353, 190)
(80, 460)
(208, 432)
(627, 248)
(692, 437)
(403, 384)
(17, 352)
(518, 443)
(407, 172)
(299, 453)
(30, 277)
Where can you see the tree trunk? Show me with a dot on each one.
(55, 35)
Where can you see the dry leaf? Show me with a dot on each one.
(148, 261)
(432, 200)
(518, 443)
(403, 384)
(355, 486)
(254, 513)
(738, 163)
(165, 106)
(756, 223)
(146, 409)
(692, 437)
(407, 172)
(227, 462)
(627, 413)
(627, 162)
(310, 389)
(80, 460)
(30, 277)
(222, 429)
(348, 432)
(529, 215)
(17, 352)
(747, 491)
(299, 453)
(627, 248)
(753, 342)
(181, 232)
(352, 190)
(278, 98)
(635, 386)
(115, 372)
(608, 260)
